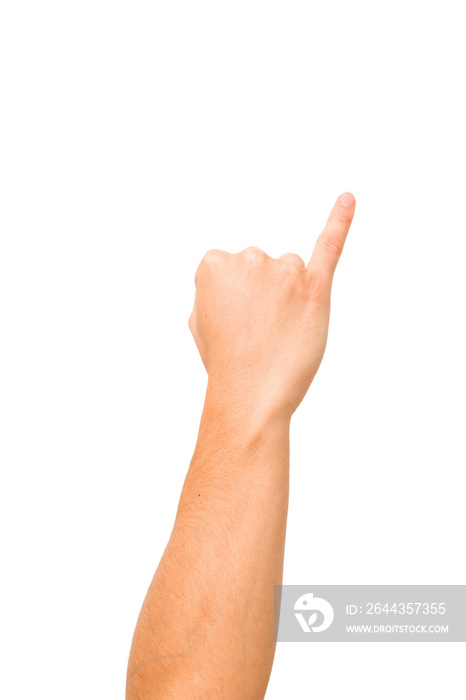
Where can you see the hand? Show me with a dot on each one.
(261, 323)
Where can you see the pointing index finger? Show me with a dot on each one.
(329, 244)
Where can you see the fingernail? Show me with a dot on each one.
(347, 199)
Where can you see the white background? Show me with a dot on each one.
(136, 135)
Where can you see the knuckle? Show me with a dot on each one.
(214, 256)
(253, 254)
(212, 259)
(333, 244)
(291, 261)
(343, 216)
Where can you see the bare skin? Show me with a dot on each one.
(206, 627)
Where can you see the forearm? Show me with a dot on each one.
(206, 629)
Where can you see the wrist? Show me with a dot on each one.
(241, 410)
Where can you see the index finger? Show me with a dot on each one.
(329, 245)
